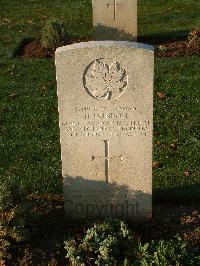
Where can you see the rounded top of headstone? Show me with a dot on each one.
(93, 44)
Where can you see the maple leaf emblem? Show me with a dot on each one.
(104, 81)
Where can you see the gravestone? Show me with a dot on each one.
(115, 19)
(105, 98)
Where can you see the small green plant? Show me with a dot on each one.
(103, 244)
(111, 243)
(194, 37)
(170, 252)
(162, 48)
(53, 34)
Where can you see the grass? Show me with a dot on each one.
(30, 149)
(167, 16)
(29, 131)
(24, 19)
(21, 19)
(177, 120)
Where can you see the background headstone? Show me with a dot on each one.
(115, 19)
(105, 95)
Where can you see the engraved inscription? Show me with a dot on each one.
(104, 80)
(93, 121)
(114, 5)
(107, 159)
(106, 128)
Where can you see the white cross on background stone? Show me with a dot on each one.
(114, 5)
(107, 158)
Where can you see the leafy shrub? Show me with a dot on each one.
(53, 34)
(111, 243)
(171, 252)
(103, 244)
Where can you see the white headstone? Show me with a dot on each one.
(115, 19)
(105, 96)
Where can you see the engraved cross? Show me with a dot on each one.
(107, 158)
(115, 8)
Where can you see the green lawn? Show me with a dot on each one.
(177, 120)
(30, 149)
(33, 228)
(162, 16)
(23, 19)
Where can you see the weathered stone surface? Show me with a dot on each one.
(105, 95)
(115, 20)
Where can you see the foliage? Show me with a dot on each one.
(103, 244)
(169, 252)
(111, 243)
(53, 34)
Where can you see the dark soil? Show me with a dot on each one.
(178, 48)
(33, 49)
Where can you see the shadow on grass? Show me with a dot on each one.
(19, 49)
(100, 33)
(187, 194)
(164, 37)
